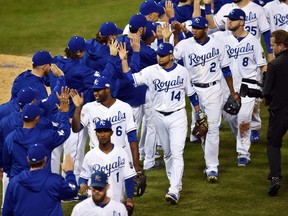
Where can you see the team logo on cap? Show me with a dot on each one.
(98, 178)
(197, 20)
(102, 122)
(161, 46)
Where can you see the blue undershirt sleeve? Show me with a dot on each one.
(226, 72)
(129, 185)
(266, 36)
(194, 99)
(132, 136)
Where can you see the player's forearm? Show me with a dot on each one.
(135, 151)
(197, 10)
(76, 124)
(125, 66)
(229, 82)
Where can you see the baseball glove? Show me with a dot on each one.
(139, 183)
(201, 125)
(232, 106)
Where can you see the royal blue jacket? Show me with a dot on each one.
(18, 142)
(38, 192)
(27, 79)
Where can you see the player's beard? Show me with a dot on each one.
(233, 28)
(99, 200)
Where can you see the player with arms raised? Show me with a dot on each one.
(168, 82)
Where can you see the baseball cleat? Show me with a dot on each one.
(212, 177)
(157, 165)
(255, 136)
(243, 161)
(157, 155)
(171, 198)
(274, 186)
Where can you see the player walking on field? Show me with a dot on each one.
(247, 56)
(111, 159)
(168, 82)
(205, 58)
(114, 110)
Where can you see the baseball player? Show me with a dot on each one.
(96, 57)
(78, 76)
(276, 13)
(168, 82)
(114, 110)
(18, 141)
(205, 58)
(99, 203)
(38, 191)
(247, 56)
(41, 62)
(255, 23)
(111, 159)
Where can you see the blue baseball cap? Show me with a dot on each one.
(37, 152)
(31, 111)
(109, 28)
(99, 179)
(26, 95)
(103, 124)
(149, 6)
(149, 28)
(165, 49)
(78, 43)
(236, 14)
(137, 21)
(199, 22)
(161, 6)
(101, 83)
(43, 57)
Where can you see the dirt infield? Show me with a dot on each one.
(10, 67)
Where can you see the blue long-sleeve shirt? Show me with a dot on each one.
(38, 192)
(17, 143)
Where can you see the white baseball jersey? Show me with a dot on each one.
(88, 208)
(204, 62)
(116, 164)
(246, 56)
(277, 15)
(119, 114)
(255, 22)
(167, 88)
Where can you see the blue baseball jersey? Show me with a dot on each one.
(38, 192)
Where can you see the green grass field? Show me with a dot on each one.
(28, 26)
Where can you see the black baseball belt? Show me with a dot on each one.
(168, 113)
(205, 85)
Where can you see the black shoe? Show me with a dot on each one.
(274, 186)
